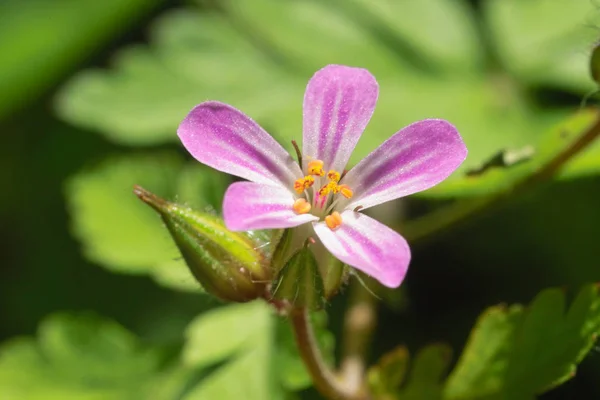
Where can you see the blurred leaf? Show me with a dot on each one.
(150, 90)
(31, 62)
(460, 50)
(489, 179)
(222, 333)
(387, 375)
(425, 376)
(295, 26)
(194, 57)
(517, 353)
(427, 373)
(119, 232)
(250, 343)
(85, 358)
(545, 42)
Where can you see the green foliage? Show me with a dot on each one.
(118, 232)
(540, 42)
(423, 382)
(412, 65)
(239, 351)
(515, 353)
(481, 68)
(31, 62)
(82, 357)
(255, 350)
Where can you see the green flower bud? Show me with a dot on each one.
(227, 264)
(299, 284)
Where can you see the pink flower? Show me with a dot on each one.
(338, 104)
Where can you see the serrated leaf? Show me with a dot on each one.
(119, 232)
(82, 357)
(517, 353)
(545, 41)
(193, 56)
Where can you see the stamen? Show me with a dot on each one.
(334, 176)
(301, 206)
(315, 167)
(300, 185)
(326, 189)
(345, 191)
(334, 220)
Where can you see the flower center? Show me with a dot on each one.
(319, 193)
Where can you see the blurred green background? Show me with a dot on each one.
(95, 302)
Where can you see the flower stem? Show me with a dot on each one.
(359, 323)
(324, 379)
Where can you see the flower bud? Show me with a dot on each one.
(299, 283)
(227, 264)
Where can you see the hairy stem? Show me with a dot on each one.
(324, 379)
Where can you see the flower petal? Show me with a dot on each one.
(416, 158)
(226, 139)
(249, 205)
(338, 105)
(369, 246)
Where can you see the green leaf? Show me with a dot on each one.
(427, 373)
(246, 341)
(294, 28)
(31, 63)
(150, 90)
(518, 353)
(545, 41)
(388, 378)
(387, 375)
(120, 233)
(193, 57)
(460, 50)
(82, 357)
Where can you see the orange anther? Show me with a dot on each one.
(303, 183)
(301, 206)
(334, 176)
(326, 189)
(315, 167)
(334, 220)
(345, 191)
